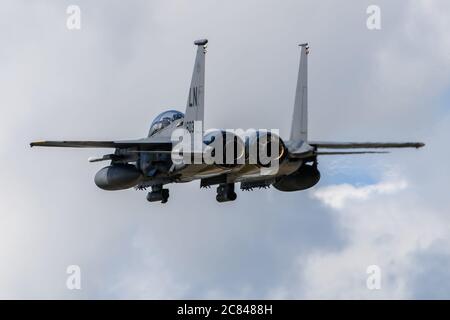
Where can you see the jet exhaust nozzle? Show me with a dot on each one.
(226, 148)
(262, 148)
(307, 176)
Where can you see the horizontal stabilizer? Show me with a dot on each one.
(336, 153)
(365, 145)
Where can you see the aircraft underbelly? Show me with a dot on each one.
(200, 171)
(252, 172)
(237, 174)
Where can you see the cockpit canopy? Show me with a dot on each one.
(163, 120)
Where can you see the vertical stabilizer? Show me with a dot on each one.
(299, 128)
(196, 99)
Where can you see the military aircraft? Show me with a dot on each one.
(149, 162)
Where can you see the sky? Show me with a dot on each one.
(130, 61)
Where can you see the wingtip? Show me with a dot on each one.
(420, 145)
(36, 143)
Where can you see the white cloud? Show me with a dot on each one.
(336, 196)
(388, 224)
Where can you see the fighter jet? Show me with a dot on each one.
(159, 160)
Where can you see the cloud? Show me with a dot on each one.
(336, 196)
(384, 225)
(398, 223)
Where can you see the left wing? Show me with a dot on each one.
(139, 144)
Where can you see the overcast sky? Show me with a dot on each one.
(131, 60)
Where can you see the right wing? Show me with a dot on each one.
(314, 148)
